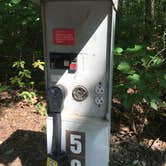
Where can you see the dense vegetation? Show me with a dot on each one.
(20, 37)
(139, 68)
(140, 55)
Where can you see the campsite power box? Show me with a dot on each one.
(78, 44)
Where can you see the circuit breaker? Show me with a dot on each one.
(78, 42)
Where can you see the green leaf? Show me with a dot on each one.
(157, 61)
(118, 51)
(162, 104)
(22, 64)
(39, 64)
(153, 105)
(24, 22)
(135, 49)
(1, 41)
(25, 73)
(19, 64)
(27, 96)
(124, 67)
(41, 67)
(165, 76)
(135, 78)
(15, 1)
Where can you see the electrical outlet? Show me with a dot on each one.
(99, 89)
(99, 100)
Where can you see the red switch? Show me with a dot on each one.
(73, 67)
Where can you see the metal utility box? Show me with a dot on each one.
(78, 43)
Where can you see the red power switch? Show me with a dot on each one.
(73, 67)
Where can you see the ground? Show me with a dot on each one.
(23, 139)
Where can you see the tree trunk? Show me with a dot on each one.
(148, 20)
(153, 8)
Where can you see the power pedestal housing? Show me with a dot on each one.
(78, 43)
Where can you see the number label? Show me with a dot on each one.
(75, 146)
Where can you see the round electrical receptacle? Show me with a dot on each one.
(80, 93)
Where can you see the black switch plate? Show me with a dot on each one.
(61, 60)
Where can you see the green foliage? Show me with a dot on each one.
(20, 35)
(19, 64)
(23, 76)
(154, 105)
(139, 76)
(15, 1)
(39, 64)
(118, 51)
(124, 67)
(27, 96)
(3, 88)
(140, 21)
(135, 49)
(41, 109)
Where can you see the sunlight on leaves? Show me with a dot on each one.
(153, 105)
(135, 49)
(39, 64)
(118, 51)
(134, 78)
(124, 67)
(15, 1)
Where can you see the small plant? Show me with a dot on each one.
(23, 76)
(27, 96)
(3, 88)
(41, 109)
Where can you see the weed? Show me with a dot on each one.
(41, 109)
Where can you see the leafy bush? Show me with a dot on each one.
(20, 35)
(140, 76)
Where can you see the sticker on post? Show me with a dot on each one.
(51, 162)
(75, 147)
(64, 36)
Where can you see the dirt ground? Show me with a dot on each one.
(23, 141)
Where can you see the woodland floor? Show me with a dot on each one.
(23, 143)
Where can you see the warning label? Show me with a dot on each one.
(64, 36)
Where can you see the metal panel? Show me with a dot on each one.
(90, 20)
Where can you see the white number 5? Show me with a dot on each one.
(75, 144)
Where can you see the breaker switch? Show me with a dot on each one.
(73, 67)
